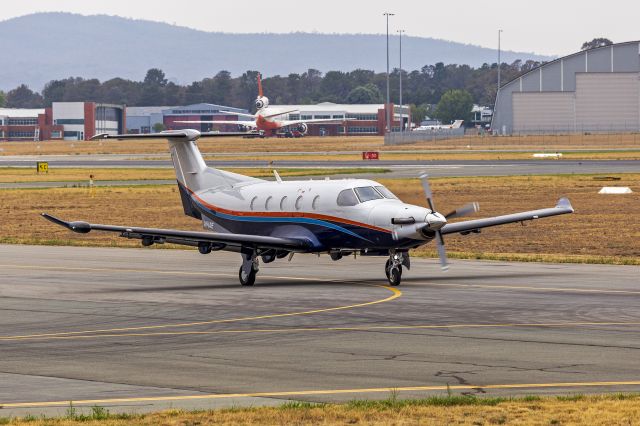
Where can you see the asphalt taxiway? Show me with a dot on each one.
(435, 167)
(145, 329)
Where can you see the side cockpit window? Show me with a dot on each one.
(346, 197)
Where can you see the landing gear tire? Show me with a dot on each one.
(247, 279)
(393, 273)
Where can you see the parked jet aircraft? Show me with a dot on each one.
(265, 121)
(271, 220)
(455, 125)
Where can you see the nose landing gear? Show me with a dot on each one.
(249, 269)
(393, 267)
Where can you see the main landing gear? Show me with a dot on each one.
(393, 267)
(249, 268)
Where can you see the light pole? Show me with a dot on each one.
(387, 106)
(401, 106)
(499, 60)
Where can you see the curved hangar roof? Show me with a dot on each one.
(595, 90)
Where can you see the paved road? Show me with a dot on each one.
(144, 329)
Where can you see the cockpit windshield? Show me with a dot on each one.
(367, 193)
(386, 193)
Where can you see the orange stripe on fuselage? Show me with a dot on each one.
(287, 214)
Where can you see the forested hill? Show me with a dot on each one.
(41, 47)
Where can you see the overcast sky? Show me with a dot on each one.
(552, 27)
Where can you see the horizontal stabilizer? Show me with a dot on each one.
(187, 135)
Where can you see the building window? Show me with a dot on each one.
(22, 135)
(322, 117)
(62, 121)
(363, 117)
(56, 134)
(306, 117)
(338, 116)
(72, 135)
(294, 116)
(363, 130)
(23, 121)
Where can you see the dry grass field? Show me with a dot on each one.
(21, 174)
(604, 229)
(324, 144)
(606, 410)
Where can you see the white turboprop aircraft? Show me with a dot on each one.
(271, 220)
(265, 121)
(455, 125)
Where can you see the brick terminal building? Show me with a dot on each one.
(62, 121)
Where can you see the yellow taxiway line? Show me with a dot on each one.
(395, 294)
(319, 392)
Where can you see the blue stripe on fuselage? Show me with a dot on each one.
(279, 219)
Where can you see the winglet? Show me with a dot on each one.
(99, 136)
(564, 203)
(79, 227)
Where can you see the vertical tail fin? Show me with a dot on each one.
(260, 94)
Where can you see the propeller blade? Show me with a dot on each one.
(424, 178)
(441, 251)
(465, 210)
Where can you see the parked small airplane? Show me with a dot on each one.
(270, 220)
(455, 125)
(265, 121)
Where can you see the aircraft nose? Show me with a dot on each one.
(435, 220)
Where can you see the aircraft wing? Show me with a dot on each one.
(468, 226)
(217, 240)
(239, 114)
(241, 123)
(315, 120)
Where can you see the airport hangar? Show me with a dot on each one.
(61, 121)
(595, 90)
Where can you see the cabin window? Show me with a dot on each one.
(283, 203)
(315, 202)
(367, 193)
(253, 202)
(267, 202)
(347, 198)
(386, 193)
(299, 203)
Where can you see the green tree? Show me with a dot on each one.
(368, 94)
(153, 88)
(454, 105)
(3, 98)
(23, 97)
(155, 77)
(419, 112)
(596, 42)
(158, 127)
